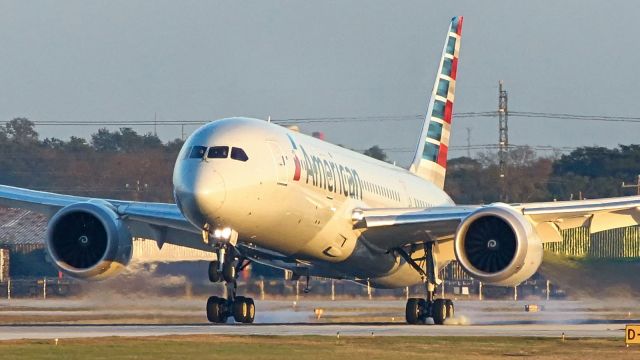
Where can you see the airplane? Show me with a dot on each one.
(252, 191)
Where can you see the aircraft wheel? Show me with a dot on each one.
(215, 310)
(214, 273)
(240, 310)
(229, 271)
(439, 311)
(251, 311)
(424, 310)
(412, 311)
(450, 308)
(244, 310)
(224, 310)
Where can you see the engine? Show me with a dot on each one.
(89, 241)
(497, 245)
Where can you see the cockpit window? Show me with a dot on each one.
(238, 154)
(218, 152)
(197, 152)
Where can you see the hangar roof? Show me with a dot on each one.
(21, 227)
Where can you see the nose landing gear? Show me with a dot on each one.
(227, 268)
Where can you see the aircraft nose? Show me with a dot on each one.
(200, 196)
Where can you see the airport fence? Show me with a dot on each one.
(623, 243)
(271, 289)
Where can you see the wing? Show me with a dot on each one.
(598, 214)
(393, 228)
(157, 221)
(388, 229)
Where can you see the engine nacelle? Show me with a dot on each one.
(89, 241)
(498, 246)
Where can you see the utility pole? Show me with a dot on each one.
(636, 185)
(155, 124)
(503, 137)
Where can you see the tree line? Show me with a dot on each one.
(124, 164)
(585, 173)
(119, 164)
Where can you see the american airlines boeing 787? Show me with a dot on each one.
(253, 191)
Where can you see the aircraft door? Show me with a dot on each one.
(280, 161)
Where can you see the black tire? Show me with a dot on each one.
(439, 311)
(412, 311)
(450, 308)
(251, 311)
(424, 310)
(214, 273)
(229, 271)
(240, 309)
(224, 310)
(214, 309)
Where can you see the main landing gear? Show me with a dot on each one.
(227, 268)
(419, 309)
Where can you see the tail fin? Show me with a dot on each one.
(430, 159)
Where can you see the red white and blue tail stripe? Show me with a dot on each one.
(430, 159)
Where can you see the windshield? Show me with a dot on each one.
(218, 152)
(238, 154)
(197, 152)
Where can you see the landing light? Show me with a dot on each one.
(223, 234)
(357, 215)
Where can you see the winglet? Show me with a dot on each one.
(430, 158)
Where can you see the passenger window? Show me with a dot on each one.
(238, 154)
(218, 152)
(197, 152)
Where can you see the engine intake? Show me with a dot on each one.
(490, 244)
(497, 245)
(89, 241)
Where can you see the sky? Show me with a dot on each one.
(125, 60)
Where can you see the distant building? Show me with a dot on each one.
(22, 230)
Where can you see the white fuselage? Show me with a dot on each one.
(291, 201)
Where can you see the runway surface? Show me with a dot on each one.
(532, 330)
(36, 319)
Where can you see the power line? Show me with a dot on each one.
(562, 116)
(484, 147)
(346, 119)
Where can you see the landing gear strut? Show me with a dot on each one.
(226, 268)
(419, 309)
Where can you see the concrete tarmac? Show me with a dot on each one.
(529, 330)
(81, 318)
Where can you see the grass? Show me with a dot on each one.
(586, 278)
(317, 347)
